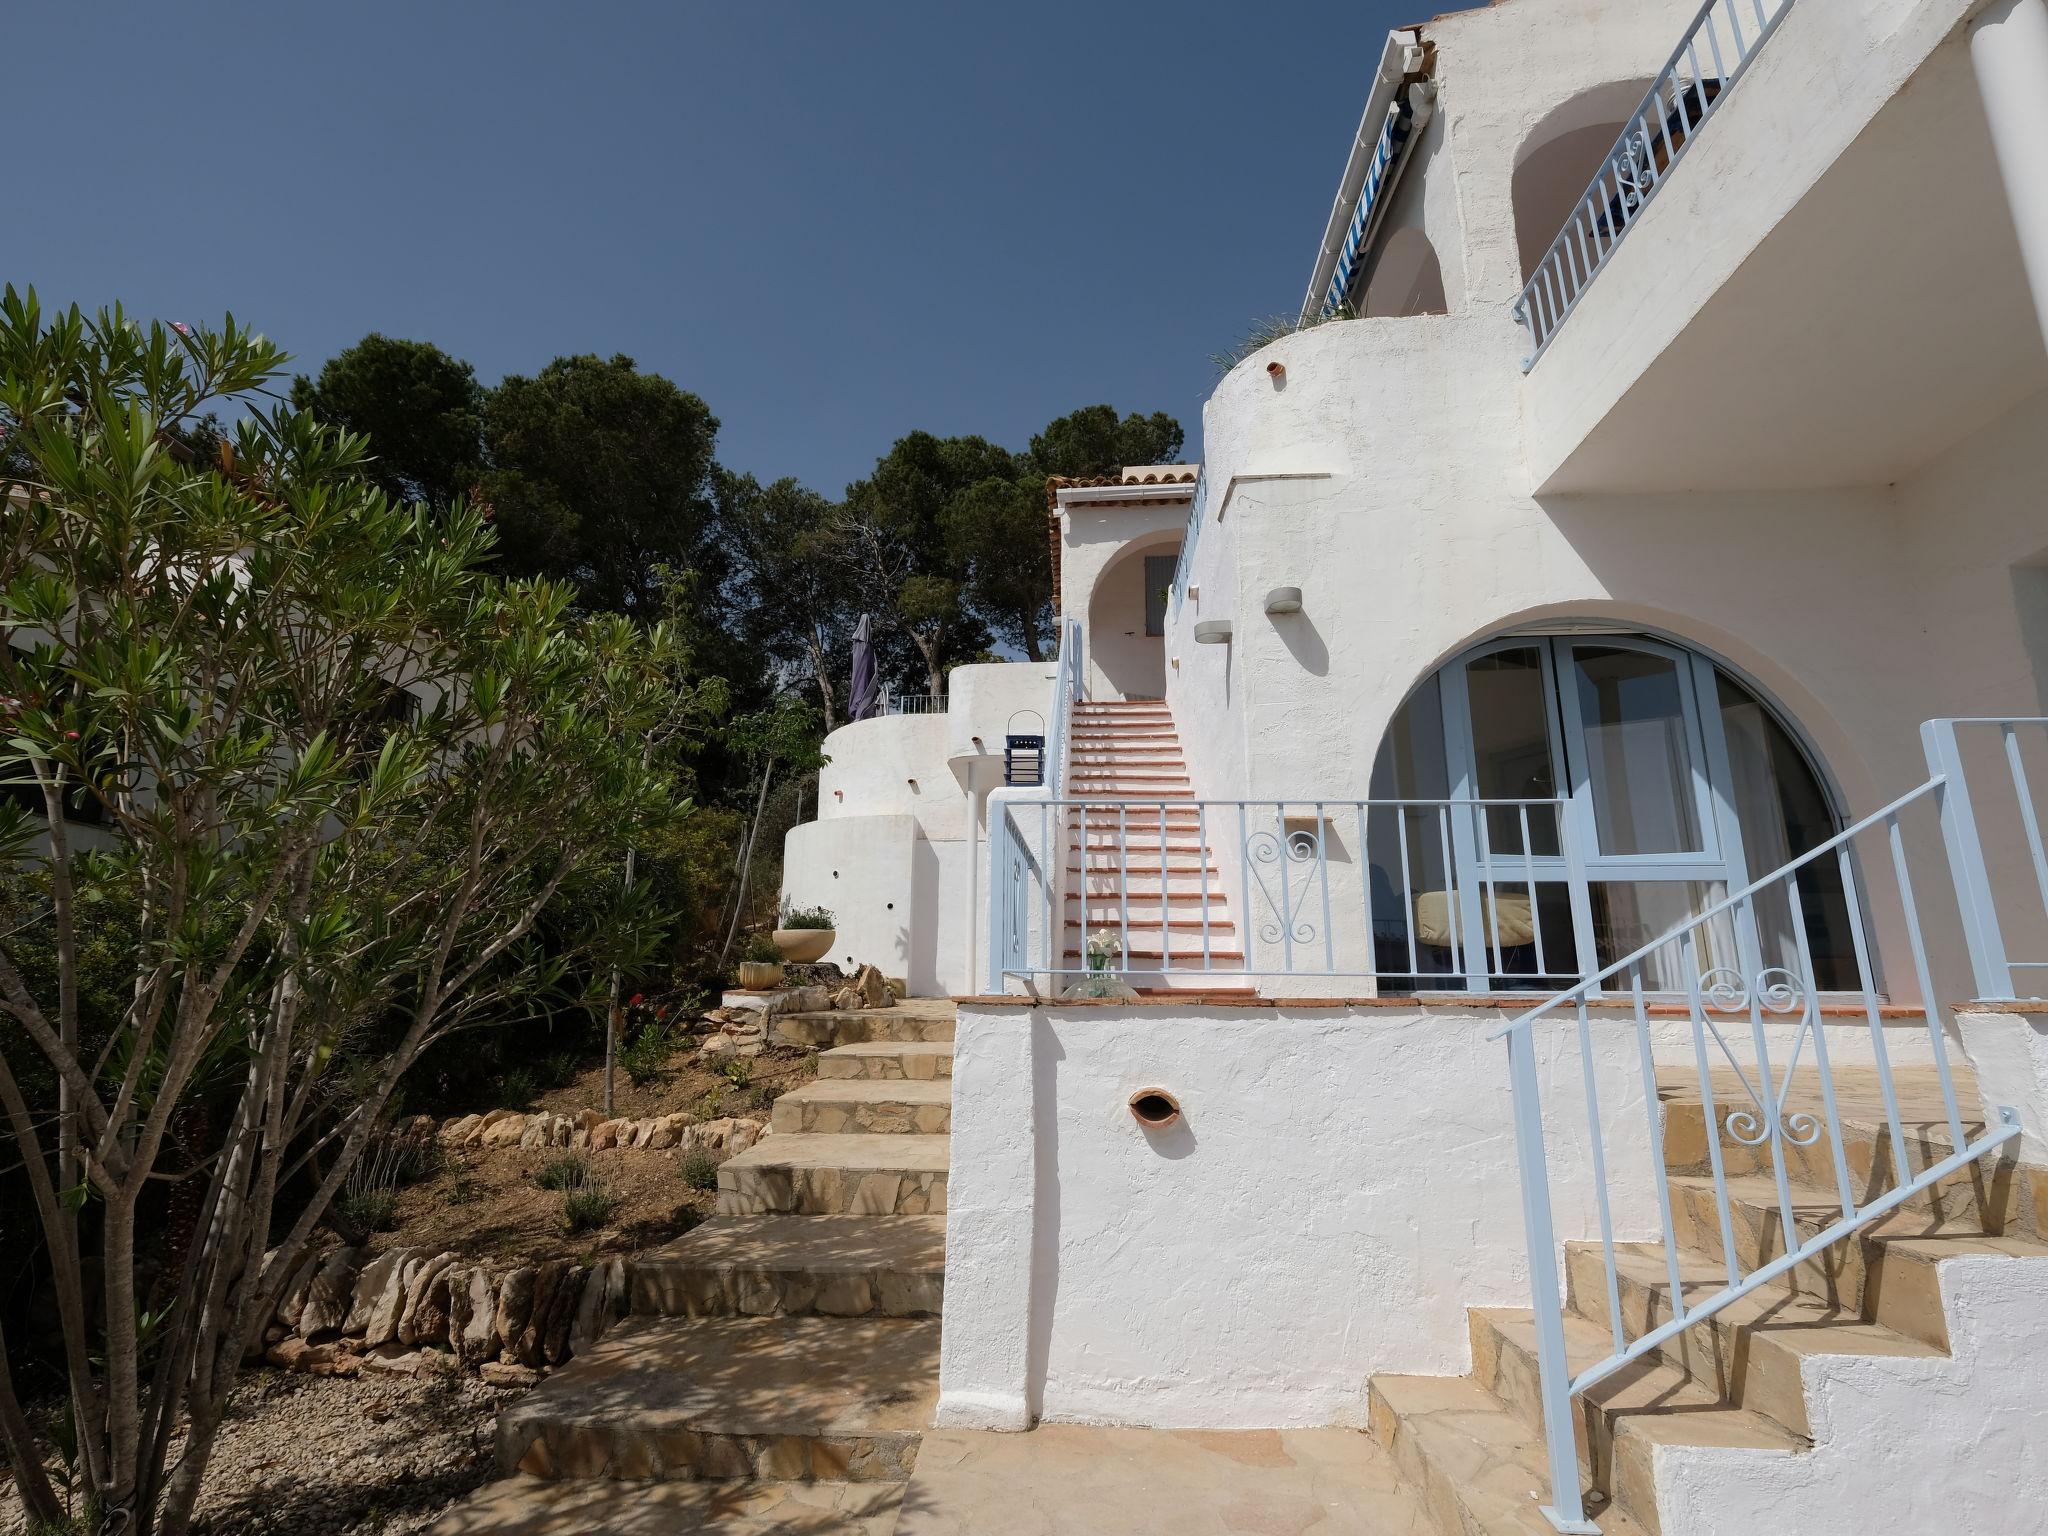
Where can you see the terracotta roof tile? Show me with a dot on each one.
(1137, 474)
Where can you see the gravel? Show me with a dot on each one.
(329, 1456)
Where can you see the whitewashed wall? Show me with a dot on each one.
(1342, 1187)
(892, 852)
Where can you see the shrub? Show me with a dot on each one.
(564, 1172)
(759, 948)
(700, 1170)
(805, 917)
(587, 1205)
(645, 1055)
(739, 1071)
(519, 1087)
(369, 1199)
(709, 1101)
(465, 1190)
(561, 1069)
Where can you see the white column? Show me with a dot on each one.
(2009, 51)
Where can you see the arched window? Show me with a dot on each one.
(1658, 776)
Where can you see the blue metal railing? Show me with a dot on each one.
(1997, 973)
(1747, 959)
(1710, 58)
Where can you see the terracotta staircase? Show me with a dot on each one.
(1144, 872)
(1472, 1446)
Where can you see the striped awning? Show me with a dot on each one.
(1393, 135)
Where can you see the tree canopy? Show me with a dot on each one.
(420, 408)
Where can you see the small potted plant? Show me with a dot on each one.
(804, 934)
(1103, 950)
(760, 963)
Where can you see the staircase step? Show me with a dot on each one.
(1620, 1422)
(780, 1399)
(1751, 1353)
(781, 1266)
(888, 1061)
(854, 1175)
(1476, 1466)
(1885, 1273)
(857, 1026)
(534, 1506)
(832, 1106)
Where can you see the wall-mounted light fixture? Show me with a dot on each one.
(1212, 631)
(1284, 600)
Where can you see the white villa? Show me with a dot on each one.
(1690, 452)
(1563, 779)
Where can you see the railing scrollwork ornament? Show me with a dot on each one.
(1781, 993)
(1283, 867)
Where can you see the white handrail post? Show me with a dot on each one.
(1992, 974)
(1566, 1511)
(1000, 893)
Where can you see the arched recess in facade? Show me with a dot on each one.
(1127, 618)
(1406, 278)
(1556, 162)
(1664, 775)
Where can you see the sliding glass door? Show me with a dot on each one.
(1681, 787)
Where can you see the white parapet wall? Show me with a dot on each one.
(1341, 1187)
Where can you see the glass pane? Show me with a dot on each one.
(1627, 914)
(1414, 905)
(1511, 756)
(1410, 764)
(1158, 583)
(1783, 812)
(1638, 758)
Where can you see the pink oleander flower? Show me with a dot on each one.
(181, 328)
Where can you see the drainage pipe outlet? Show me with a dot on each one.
(1154, 1108)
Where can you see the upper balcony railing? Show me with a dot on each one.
(1711, 57)
(1184, 567)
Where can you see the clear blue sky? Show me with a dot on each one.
(834, 222)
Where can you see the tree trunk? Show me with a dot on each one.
(1033, 647)
(739, 898)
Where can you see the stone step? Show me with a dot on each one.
(1751, 1353)
(534, 1506)
(783, 1266)
(1620, 1422)
(916, 1061)
(856, 1026)
(1976, 1192)
(1473, 1463)
(833, 1106)
(851, 1175)
(1884, 1273)
(775, 1399)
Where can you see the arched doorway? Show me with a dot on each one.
(1639, 783)
(1127, 621)
(1557, 161)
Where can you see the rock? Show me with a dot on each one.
(291, 1301)
(817, 973)
(618, 1293)
(899, 987)
(328, 1298)
(562, 1314)
(475, 1338)
(515, 1306)
(534, 1135)
(744, 1134)
(313, 1359)
(505, 1132)
(874, 988)
(382, 1328)
(643, 1132)
(668, 1130)
(560, 1129)
(502, 1373)
(846, 997)
(285, 1353)
(393, 1360)
(456, 1132)
(588, 1120)
(425, 1319)
(605, 1136)
(590, 1319)
(370, 1286)
(533, 1337)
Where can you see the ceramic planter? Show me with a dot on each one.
(760, 975)
(800, 946)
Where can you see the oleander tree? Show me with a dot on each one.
(319, 775)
